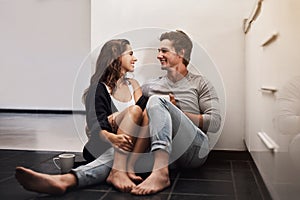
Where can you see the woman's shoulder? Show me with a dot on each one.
(134, 82)
(99, 89)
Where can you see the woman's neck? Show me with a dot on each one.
(122, 80)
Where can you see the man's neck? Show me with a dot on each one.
(178, 73)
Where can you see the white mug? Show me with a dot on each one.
(65, 162)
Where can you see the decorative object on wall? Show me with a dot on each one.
(256, 11)
(268, 89)
(270, 39)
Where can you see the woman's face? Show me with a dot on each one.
(127, 60)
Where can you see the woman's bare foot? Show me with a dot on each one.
(44, 183)
(120, 180)
(130, 169)
(157, 181)
(134, 177)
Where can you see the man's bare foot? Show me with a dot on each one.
(157, 181)
(120, 180)
(134, 177)
(43, 183)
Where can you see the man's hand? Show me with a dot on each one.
(172, 99)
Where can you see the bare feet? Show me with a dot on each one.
(157, 181)
(120, 180)
(134, 177)
(44, 183)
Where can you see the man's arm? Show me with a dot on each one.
(209, 107)
(196, 119)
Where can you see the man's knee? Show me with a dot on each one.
(153, 101)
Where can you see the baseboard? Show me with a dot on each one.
(230, 155)
(38, 111)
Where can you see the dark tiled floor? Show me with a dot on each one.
(226, 175)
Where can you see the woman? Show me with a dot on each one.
(110, 100)
(109, 93)
(114, 113)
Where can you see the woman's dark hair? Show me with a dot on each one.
(108, 65)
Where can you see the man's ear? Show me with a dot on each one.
(181, 53)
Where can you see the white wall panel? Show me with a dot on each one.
(216, 25)
(42, 46)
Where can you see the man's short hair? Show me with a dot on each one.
(180, 40)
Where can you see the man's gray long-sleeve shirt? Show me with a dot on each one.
(193, 94)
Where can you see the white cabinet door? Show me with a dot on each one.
(275, 110)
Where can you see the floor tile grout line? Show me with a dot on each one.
(105, 194)
(98, 190)
(216, 169)
(6, 179)
(202, 194)
(256, 181)
(173, 186)
(48, 159)
(206, 180)
(233, 182)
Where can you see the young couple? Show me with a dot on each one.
(125, 119)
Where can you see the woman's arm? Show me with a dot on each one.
(120, 141)
(103, 107)
(136, 88)
(106, 118)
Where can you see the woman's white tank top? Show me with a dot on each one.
(120, 105)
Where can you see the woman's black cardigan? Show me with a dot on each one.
(99, 106)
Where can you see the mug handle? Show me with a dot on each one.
(55, 163)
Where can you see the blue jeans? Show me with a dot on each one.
(171, 130)
(96, 171)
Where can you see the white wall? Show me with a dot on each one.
(42, 46)
(216, 25)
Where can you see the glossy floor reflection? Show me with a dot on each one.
(225, 175)
(50, 132)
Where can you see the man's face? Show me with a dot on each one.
(167, 55)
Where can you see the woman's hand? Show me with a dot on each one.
(122, 142)
(112, 120)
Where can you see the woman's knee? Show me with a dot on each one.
(145, 117)
(135, 111)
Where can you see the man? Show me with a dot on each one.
(178, 127)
